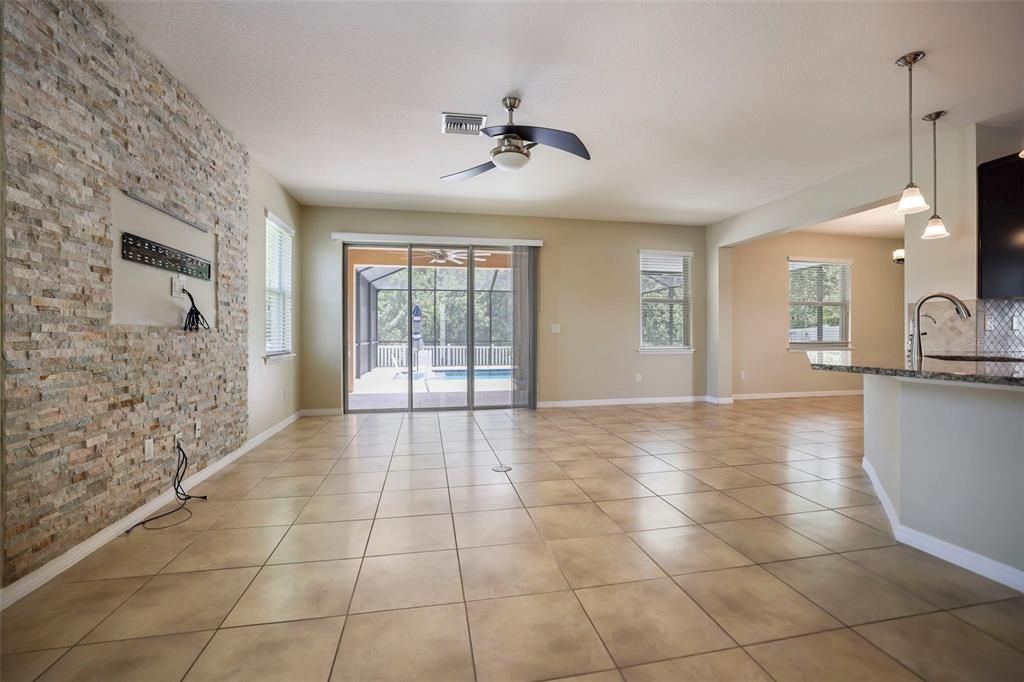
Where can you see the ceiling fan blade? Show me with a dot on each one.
(559, 139)
(469, 172)
(453, 259)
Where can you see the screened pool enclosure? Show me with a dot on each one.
(439, 327)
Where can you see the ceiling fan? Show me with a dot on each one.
(440, 256)
(516, 141)
(458, 256)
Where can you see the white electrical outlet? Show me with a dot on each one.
(556, 329)
(177, 285)
(177, 439)
(1017, 324)
(989, 324)
(147, 448)
(639, 377)
(199, 429)
(743, 375)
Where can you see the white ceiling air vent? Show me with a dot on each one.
(462, 124)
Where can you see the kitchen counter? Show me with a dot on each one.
(943, 448)
(1004, 369)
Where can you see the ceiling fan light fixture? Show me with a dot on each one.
(510, 155)
(911, 201)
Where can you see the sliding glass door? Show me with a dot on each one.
(377, 324)
(439, 327)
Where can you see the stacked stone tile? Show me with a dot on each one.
(88, 112)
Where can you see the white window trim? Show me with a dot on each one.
(664, 350)
(278, 357)
(811, 346)
(289, 354)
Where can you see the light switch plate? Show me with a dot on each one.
(199, 429)
(1018, 323)
(147, 448)
(556, 329)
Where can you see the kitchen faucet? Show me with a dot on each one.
(916, 353)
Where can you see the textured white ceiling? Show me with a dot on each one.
(876, 222)
(692, 111)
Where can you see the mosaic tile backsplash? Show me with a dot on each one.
(942, 330)
(989, 330)
(996, 325)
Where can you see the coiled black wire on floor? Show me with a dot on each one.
(179, 493)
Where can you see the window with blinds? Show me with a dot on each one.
(819, 303)
(279, 287)
(665, 300)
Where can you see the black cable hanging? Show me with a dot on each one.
(194, 319)
(179, 493)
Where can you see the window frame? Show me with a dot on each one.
(286, 294)
(687, 347)
(845, 305)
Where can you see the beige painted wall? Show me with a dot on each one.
(274, 386)
(760, 309)
(588, 282)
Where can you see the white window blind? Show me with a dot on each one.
(819, 303)
(279, 287)
(665, 300)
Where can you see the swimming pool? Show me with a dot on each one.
(460, 374)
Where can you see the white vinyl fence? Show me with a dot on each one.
(396, 354)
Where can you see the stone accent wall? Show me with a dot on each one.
(88, 112)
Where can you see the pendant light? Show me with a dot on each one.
(935, 229)
(911, 201)
(899, 256)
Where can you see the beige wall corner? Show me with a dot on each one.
(761, 360)
(274, 387)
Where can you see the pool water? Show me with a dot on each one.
(461, 374)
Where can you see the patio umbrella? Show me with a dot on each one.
(417, 328)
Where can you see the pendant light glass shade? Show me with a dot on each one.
(935, 229)
(911, 201)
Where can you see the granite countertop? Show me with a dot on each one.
(966, 366)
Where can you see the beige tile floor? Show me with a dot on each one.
(642, 543)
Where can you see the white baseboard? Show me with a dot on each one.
(795, 394)
(622, 401)
(954, 554)
(714, 400)
(320, 412)
(26, 584)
